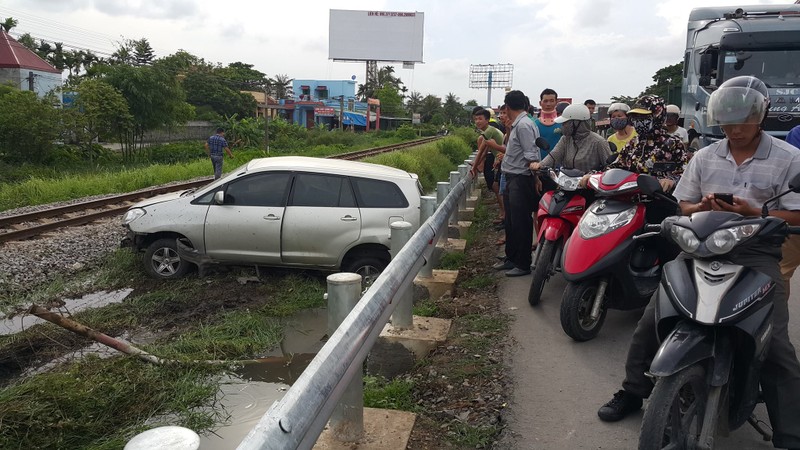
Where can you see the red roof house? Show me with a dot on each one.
(24, 69)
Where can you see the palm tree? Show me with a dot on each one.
(431, 105)
(281, 86)
(414, 102)
(8, 24)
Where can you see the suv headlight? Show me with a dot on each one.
(593, 225)
(723, 241)
(132, 214)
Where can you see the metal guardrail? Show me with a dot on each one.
(297, 420)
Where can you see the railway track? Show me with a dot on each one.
(27, 225)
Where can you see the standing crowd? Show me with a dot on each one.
(646, 138)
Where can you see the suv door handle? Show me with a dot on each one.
(271, 217)
(348, 218)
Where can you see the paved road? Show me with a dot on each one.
(560, 384)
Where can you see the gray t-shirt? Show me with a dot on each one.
(521, 150)
(766, 174)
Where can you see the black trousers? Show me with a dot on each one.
(780, 374)
(522, 201)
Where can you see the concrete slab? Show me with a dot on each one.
(384, 429)
(440, 283)
(452, 245)
(466, 214)
(463, 228)
(425, 334)
(472, 202)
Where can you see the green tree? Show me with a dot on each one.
(667, 83)
(630, 101)
(28, 127)
(281, 86)
(124, 54)
(414, 102)
(100, 111)
(385, 76)
(243, 77)
(210, 93)
(143, 54)
(180, 63)
(391, 101)
(155, 100)
(453, 110)
(430, 106)
(8, 24)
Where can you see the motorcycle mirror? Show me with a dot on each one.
(794, 186)
(649, 185)
(542, 143)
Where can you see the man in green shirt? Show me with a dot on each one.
(489, 141)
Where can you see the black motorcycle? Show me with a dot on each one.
(714, 321)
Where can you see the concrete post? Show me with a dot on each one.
(402, 315)
(455, 177)
(347, 419)
(164, 438)
(463, 169)
(427, 208)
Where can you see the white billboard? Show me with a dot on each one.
(375, 35)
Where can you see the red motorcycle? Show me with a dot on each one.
(559, 213)
(604, 264)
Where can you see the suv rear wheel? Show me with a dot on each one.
(368, 265)
(161, 260)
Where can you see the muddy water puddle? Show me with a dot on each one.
(70, 305)
(249, 392)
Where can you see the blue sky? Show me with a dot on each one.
(581, 48)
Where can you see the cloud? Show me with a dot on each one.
(151, 9)
(594, 14)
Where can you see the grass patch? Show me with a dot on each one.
(98, 403)
(472, 437)
(478, 282)
(293, 293)
(426, 308)
(481, 221)
(452, 261)
(389, 394)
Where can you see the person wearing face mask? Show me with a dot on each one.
(653, 144)
(579, 148)
(623, 130)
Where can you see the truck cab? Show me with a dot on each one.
(727, 42)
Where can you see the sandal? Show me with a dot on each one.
(500, 242)
(498, 221)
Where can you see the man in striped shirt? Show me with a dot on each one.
(215, 145)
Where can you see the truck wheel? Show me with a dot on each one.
(674, 414)
(161, 260)
(576, 309)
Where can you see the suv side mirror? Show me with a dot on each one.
(649, 185)
(219, 198)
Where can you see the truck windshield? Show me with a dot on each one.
(773, 67)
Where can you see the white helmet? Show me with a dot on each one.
(618, 107)
(673, 109)
(574, 112)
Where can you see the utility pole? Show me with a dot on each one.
(341, 112)
(266, 120)
(30, 81)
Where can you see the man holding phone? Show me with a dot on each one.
(736, 174)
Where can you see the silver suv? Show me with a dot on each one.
(285, 212)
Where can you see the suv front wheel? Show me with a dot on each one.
(161, 260)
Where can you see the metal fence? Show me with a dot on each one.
(297, 420)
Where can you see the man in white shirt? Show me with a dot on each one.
(672, 125)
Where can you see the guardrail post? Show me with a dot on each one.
(427, 208)
(347, 419)
(402, 315)
(463, 170)
(454, 179)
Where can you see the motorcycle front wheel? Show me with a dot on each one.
(674, 415)
(543, 266)
(576, 310)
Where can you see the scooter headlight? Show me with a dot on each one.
(723, 241)
(568, 183)
(593, 225)
(685, 238)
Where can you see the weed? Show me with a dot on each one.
(389, 394)
(426, 308)
(478, 282)
(472, 437)
(452, 261)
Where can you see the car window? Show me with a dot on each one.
(263, 189)
(378, 194)
(322, 190)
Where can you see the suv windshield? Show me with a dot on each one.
(773, 67)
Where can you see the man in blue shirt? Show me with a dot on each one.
(215, 145)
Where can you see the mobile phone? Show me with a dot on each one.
(727, 198)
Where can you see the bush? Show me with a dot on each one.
(455, 149)
(406, 132)
(468, 135)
